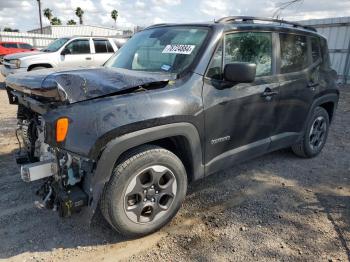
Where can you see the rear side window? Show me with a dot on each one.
(81, 46)
(325, 53)
(10, 45)
(103, 46)
(315, 49)
(25, 46)
(294, 56)
(250, 47)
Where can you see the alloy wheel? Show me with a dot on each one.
(150, 194)
(318, 133)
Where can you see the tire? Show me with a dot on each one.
(145, 191)
(315, 135)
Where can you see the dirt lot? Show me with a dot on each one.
(276, 207)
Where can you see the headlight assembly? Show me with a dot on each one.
(15, 63)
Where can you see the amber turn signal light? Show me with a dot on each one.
(61, 129)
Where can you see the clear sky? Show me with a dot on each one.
(23, 14)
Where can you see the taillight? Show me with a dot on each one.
(61, 129)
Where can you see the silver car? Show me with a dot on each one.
(62, 53)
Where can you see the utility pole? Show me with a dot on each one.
(41, 23)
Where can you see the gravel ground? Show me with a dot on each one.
(276, 207)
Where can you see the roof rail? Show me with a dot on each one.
(155, 25)
(243, 19)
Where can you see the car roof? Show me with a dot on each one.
(94, 36)
(251, 23)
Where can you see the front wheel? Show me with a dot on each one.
(315, 136)
(145, 191)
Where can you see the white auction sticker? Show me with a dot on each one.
(178, 49)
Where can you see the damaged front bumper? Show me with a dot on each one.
(65, 185)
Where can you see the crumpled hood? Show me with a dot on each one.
(82, 84)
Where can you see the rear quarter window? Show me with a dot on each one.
(294, 53)
(25, 46)
(325, 53)
(315, 49)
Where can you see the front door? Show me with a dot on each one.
(240, 119)
(77, 54)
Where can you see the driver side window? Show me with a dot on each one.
(248, 47)
(81, 46)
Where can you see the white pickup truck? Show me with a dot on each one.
(62, 53)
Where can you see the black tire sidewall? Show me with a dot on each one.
(121, 179)
(317, 112)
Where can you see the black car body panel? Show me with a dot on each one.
(93, 123)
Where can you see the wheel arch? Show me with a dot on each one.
(330, 108)
(47, 65)
(328, 101)
(180, 138)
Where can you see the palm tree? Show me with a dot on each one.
(56, 21)
(79, 13)
(114, 16)
(48, 14)
(71, 22)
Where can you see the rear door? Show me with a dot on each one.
(298, 83)
(240, 119)
(77, 53)
(103, 51)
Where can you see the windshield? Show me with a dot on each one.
(55, 45)
(165, 49)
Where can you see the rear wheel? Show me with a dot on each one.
(145, 191)
(315, 135)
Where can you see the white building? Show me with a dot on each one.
(80, 30)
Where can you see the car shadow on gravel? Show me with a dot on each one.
(26, 228)
(254, 202)
(269, 207)
(337, 209)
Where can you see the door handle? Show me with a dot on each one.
(268, 93)
(312, 84)
(87, 58)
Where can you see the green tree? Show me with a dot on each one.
(114, 15)
(9, 29)
(56, 21)
(48, 14)
(71, 22)
(79, 13)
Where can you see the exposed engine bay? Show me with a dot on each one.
(62, 172)
(44, 155)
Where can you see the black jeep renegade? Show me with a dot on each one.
(176, 103)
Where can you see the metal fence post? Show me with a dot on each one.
(347, 66)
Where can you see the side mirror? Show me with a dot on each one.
(65, 52)
(240, 72)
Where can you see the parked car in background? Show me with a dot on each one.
(7, 48)
(62, 53)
